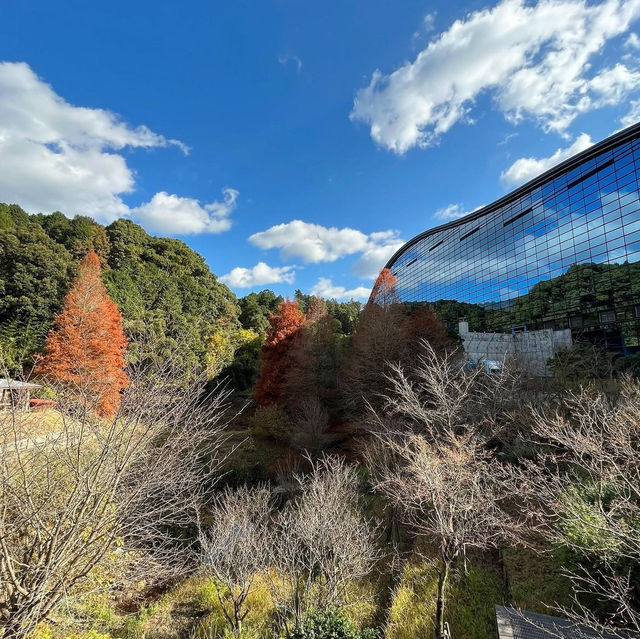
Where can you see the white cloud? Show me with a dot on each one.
(507, 138)
(259, 275)
(614, 84)
(537, 61)
(58, 156)
(316, 243)
(428, 22)
(325, 288)
(172, 214)
(428, 25)
(311, 242)
(525, 169)
(375, 256)
(450, 212)
(633, 115)
(633, 41)
(285, 59)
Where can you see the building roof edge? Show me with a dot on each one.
(618, 138)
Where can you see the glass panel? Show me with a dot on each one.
(566, 254)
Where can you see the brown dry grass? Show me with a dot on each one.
(30, 425)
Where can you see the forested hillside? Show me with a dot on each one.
(164, 289)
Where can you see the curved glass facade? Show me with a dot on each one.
(561, 252)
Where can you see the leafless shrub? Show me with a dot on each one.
(235, 548)
(134, 481)
(322, 543)
(310, 432)
(438, 472)
(587, 480)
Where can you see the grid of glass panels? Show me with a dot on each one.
(565, 254)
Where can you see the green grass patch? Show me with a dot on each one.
(535, 581)
(471, 597)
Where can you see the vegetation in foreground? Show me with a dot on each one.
(375, 487)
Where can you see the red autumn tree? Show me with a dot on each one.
(85, 348)
(384, 289)
(275, 355)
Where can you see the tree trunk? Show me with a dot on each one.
(443, 578)
(237, 617)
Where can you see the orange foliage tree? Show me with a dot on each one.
(384, 292)
(85, 348)
(385, 333)
(275, 355)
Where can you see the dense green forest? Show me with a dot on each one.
(161, 286)
(165, 291)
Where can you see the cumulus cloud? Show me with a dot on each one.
(311, 242)
(259, 275)
(450, 212)
(324, 287)
(525, 169)
(376, 255)
(58, 156)
(538, 61)
(172, 214)
(314, 243)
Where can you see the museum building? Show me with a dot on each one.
(558, 257)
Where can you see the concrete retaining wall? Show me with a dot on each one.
(532, 348)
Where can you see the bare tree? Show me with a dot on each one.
(135, 480)
(439, 395)
(437, 470)
(435, 397)
(322, 543)
(587, 480)
(311, 432)
(454, 495)
(235, 548)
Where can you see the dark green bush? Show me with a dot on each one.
(629, 364)
(581, 361)
(330, 625)
(271, 422)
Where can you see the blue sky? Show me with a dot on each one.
(297, 144)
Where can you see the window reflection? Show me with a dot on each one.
(562, 255)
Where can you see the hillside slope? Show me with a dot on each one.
(163, 288)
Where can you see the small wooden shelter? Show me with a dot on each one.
(15, 395)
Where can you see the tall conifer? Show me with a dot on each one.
(85, 348)
(275, 356)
